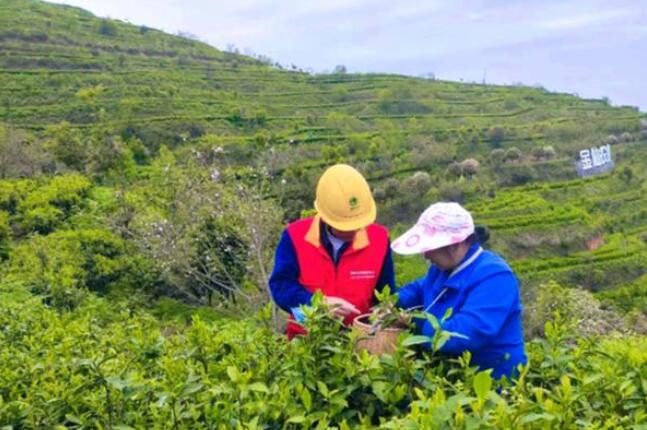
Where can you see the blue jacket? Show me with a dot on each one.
(284, 285)
(486, 310)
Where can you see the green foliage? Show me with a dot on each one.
(67, 146)
(627, 298)
(12, 192)
(386, 314)
(105, 366)
(208, 233)
(5, 235)
(577, 309)
(188, 162)
(45, 207)
(63, 266)
(107, 28)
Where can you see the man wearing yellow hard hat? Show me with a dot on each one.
(340, 251)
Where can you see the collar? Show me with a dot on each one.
(313, 236)
(453, 278)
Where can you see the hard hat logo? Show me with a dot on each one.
(344, 199)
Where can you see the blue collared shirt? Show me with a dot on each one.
(486, 310)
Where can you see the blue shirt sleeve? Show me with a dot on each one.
(412, 294)
(284, 281)
(481, 317)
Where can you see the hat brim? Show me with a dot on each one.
(350, 224)
(417, 240)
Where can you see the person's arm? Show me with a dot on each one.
(387, 273)
(284, 281)
(482, 315)
(411, 295)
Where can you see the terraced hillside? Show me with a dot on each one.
(145, 179)
(74, 86)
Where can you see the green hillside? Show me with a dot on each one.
(145, 178)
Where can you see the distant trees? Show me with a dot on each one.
(470, 166)
(466, 168)
(66, 146)
(543, 152)
(251, 118)
(188, 35)
(21, 155)
(610, 140)
(497, 156)
(512, 154)
(495, 136)
(626, 137)
(418, 183)
(98, 153)
(627, 174)
(107, 28)
(340, 69)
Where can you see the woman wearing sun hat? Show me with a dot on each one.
(478, 285)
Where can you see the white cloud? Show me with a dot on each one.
(584, 19)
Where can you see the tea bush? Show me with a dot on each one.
(107, 365)
(65, 265)
(46, 206)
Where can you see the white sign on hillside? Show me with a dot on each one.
(593, 161)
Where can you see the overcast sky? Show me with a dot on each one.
(591, 47)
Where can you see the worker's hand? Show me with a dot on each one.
(340, 307)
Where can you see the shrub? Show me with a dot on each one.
(577, 308)
(5, 235)
(470, 167)
(44, 208)
(626, 137)
(454, 169)
(452, 192)
(64, 265)
(549, 152)
(208, 237)
(67, 146)
(12, 192)
(107, 28)
(21, 154)
(496, 135)
(104, 367)
(512, 154)
(543, 153)
(497, 156)
(517, 175)
(418, 183)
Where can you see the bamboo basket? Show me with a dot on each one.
(383, 341)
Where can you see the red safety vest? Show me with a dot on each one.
(357, 271)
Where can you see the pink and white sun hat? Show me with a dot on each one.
(441, 224)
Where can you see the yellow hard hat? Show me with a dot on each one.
(344, 200)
